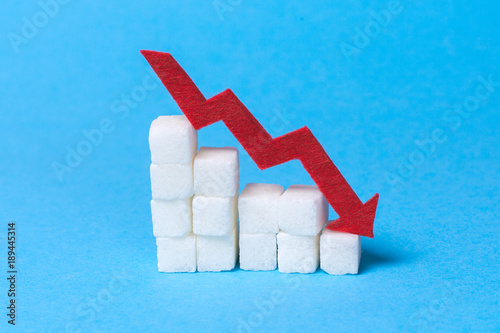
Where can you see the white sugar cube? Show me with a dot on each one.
(171, 181)
(214, 216)
(340, 252)
(258, 252)
(172, 140)
(297, 254)
(216, 172)
(171, 218)
(177, 254)
(258, 208)
(217, 253)
(302, 210)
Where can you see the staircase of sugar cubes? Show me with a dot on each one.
(195, 211)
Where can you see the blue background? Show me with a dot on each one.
(86, 252)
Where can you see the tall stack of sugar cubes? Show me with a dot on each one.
(195, 210)
(194, 206)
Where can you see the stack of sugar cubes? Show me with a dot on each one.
(285, 228)
(195, 209)
(258, 210)
(194, 206)
(173, 143)
(215, 208)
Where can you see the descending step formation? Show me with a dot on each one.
(195, 213)
(354, 216)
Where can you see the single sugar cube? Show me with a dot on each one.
(297, 254)
(258, 208)
(258, 252)
(171, 181)
(216, 172)
(217, 253)
(340, 252)
(177, 254)
(302, 210)
(214, 216)
(171, 218)
(172, 140)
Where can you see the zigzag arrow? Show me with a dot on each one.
(354, 216)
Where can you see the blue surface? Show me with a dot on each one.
(86, 251)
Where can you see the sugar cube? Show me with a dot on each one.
(258, 252)
(171, 181)
(216, 172)
(340, 252)
(171, 218)
(258, 208)
(172, 140)
(297, 254)
(177, 254)
(217, 253)
(302, 210)
(214, 216)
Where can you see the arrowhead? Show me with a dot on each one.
(359, 222)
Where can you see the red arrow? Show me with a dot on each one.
(354, 216)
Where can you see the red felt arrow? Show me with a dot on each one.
(354, 216)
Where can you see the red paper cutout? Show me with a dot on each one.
(354, 216)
